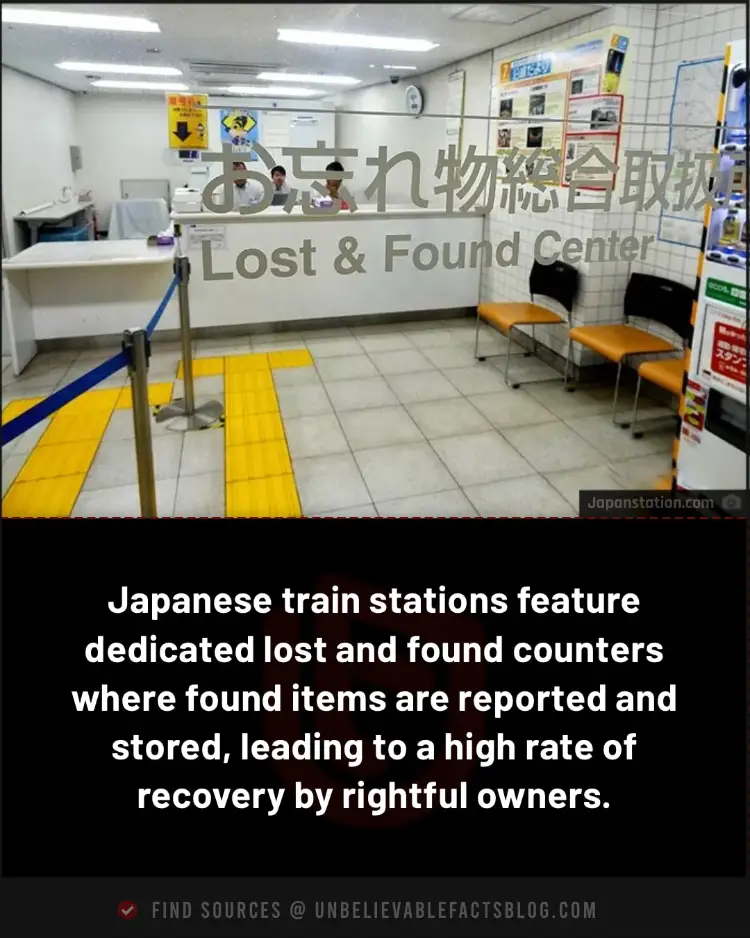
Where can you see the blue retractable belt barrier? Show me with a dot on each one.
(162, 306)
(64, 396)
(14, 428)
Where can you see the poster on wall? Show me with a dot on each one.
(589, 112)
(187, 119)
(537, 95)
(592, 122)
(723, 360)
(578, 147)
(585, 81)
(532, 114)
(616, 53)
(455, 106)
(239, 127)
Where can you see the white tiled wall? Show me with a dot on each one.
(660, 38)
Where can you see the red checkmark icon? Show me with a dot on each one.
(127, 910)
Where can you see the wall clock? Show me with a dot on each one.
(414, 101)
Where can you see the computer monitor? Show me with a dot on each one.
(279, 198)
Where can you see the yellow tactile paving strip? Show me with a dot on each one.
(204, 368)
(258, 469)
(51, 478)
(158, 394)
(259, 479)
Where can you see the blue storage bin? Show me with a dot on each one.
(81, 233)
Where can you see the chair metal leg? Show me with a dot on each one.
(634, 432)
(476, 341)
(617, 391)
(507, 355)
(567, 368)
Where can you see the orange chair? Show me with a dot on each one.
(557, 281)
(647, 297)
(667, 374)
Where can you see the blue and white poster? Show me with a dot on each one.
(239, 127)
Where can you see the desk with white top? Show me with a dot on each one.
(53, 215)
(68, 289)
(276, 267)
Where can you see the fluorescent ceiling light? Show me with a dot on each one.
(402, 68)
(118, 69)
(141, 85)
(354, 41)
(505, 14)
(313, 79)
(125, 24)
(271, 92)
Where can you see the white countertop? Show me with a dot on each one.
(276, 213)
(52, 254)
(57, 212)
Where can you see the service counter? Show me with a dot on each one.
(77, 289)
(290, 267)
(252, 272)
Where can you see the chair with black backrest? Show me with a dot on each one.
(647, 297)
(557, 281)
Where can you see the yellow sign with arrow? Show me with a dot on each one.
(188, 121)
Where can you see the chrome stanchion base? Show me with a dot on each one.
(207, 415)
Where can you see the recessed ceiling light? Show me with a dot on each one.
(141, 85)
(402, 68)
(505, 14)
(126, 24)
(271, 92)
(312, 79)
(355, 41)
(118, 69)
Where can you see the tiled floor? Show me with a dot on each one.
(389, 421)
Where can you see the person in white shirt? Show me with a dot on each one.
(246, 191)
(278, 176)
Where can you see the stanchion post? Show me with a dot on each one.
(182, 414)
(182, 270)
(136, 344)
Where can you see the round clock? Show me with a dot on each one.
(414, 101)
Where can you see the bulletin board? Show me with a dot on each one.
(566, 99)
(456, 102)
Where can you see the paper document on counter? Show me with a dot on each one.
(215, 235)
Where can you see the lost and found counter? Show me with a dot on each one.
(248, 273)
(274, 267)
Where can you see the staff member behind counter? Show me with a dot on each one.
(245, 191)
(250, 191)
(278, 177)
(333, 185)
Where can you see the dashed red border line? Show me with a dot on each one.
(390, 518)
